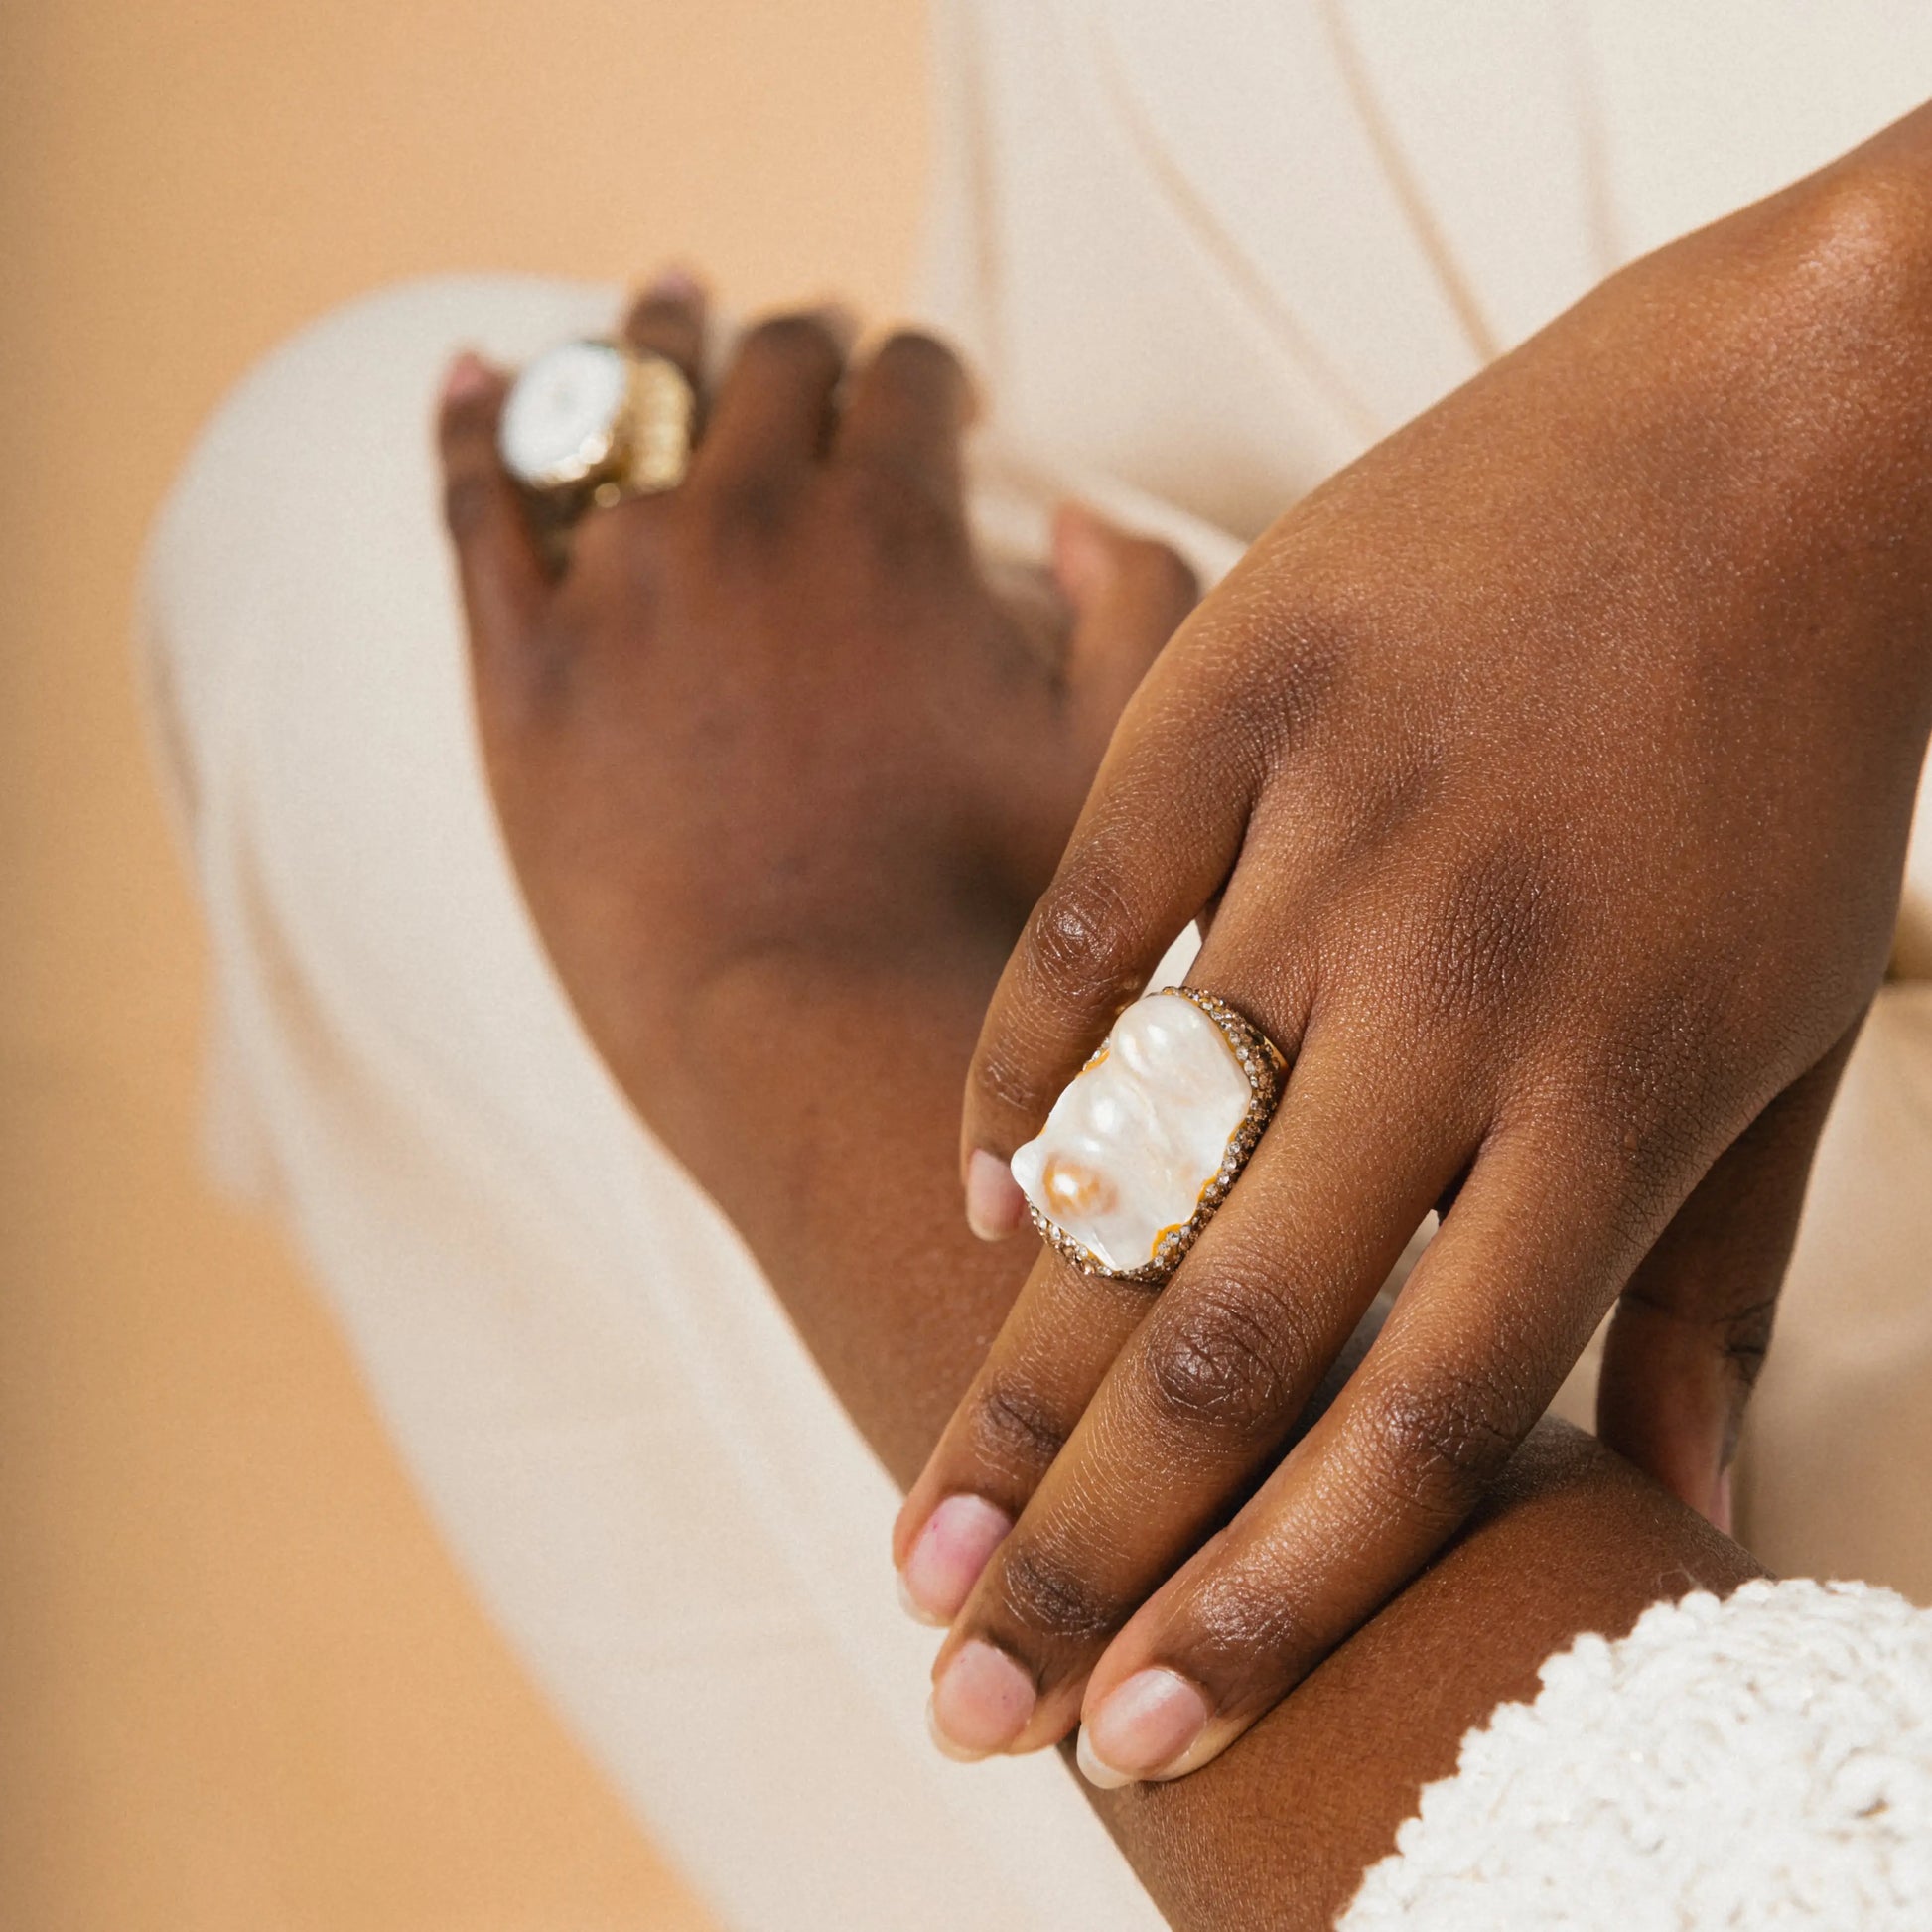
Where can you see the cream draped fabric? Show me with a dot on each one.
(1203, 255)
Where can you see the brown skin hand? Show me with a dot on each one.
(1551, 769)
(780, 775)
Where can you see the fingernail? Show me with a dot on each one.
(469, 377)
(948, 1556)
(981, 1704)
(674, 285)
(1141, 1729)
(995, 1206)
(1723, 1514)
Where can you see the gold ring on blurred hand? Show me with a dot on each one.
(655, 435)
(594, 422)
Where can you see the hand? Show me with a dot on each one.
(782, 715)
(1549, 774)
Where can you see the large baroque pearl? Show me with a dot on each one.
(1139, 1134)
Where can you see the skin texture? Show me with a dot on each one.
(781, 774)
(1548, 777)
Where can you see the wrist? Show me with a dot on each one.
(784, 1058)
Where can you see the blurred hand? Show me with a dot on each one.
(1549, 772)
(783, 713)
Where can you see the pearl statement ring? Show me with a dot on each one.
(1145, 1140)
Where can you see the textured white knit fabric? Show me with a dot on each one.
(1762, 1762)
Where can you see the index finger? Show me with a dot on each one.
(1155, 843)
(501, 571)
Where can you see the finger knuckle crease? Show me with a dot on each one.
(1004, 1079)
(896, 515)
(1078, 944)
(1441, 1437)
(1018, 1426)
(748, 516)
(1223, 1365)
(1048, 1593)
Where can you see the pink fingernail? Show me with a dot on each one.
(949, 1554)
(1141, 1729)
(981, 1704)
(469, 377)
(995, 1206)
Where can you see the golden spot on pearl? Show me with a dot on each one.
(1144, 1143)
(1074, 1189)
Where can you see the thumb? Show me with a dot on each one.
(1128, 594)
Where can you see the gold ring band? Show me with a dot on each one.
(594, 422)
(652, 442)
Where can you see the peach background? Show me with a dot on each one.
(240, 1684)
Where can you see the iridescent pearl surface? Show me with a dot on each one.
(1135, 1137)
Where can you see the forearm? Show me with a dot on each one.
(821, 1117)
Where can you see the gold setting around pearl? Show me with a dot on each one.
(1267, 1072)
(644, 450)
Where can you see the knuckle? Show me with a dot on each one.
(1080, 945)
(1439, 1442)
(1290, 686)
(1654, 1090)
(1249, 1633)
(746, 516)
(1005, 1077)
(1047, 1593)
(1016, 1426)
(894, 515)
(1222, 1364)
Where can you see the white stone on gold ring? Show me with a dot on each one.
(1143, 1141)
(598, 419)
(562, 414)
